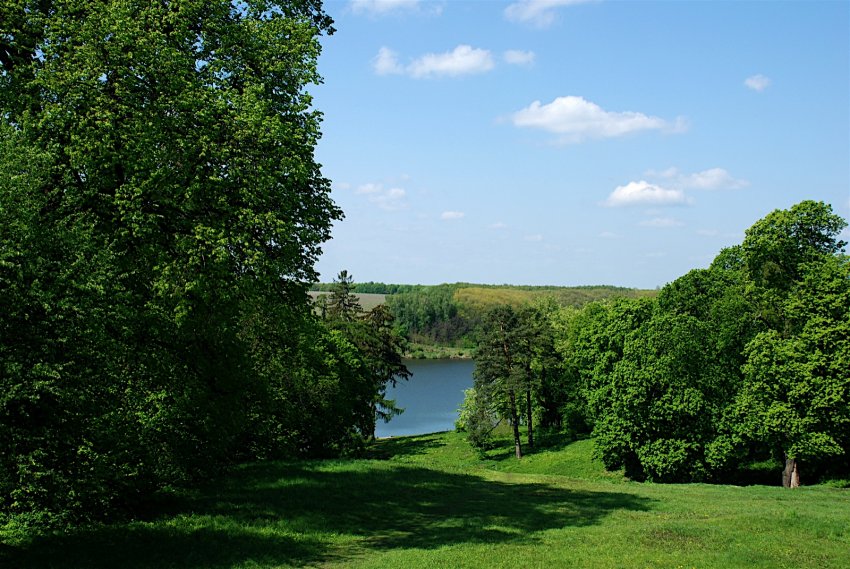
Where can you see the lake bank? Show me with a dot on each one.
(417, 351)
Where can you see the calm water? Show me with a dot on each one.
(430, 398)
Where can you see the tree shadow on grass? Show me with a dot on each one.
(274, 514)
(383, 449)
(195, 544)
(502, 447)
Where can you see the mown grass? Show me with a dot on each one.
(431, 502)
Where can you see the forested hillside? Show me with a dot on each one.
(452, 314)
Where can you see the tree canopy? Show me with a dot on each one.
(735, 364)
(161, 210)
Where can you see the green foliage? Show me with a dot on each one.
(796, 397)
(740, 363)
(379, 348)
(366, 300)
(477, 418)
(777, 247)
(453, 314)
(161, 209)
(661, 415)
(369, 288)
(500, 376)
(518, 376)
(592, 342)
(796, 393)
(429, 314)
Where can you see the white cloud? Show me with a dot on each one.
(536, 238)
(662, 222)
(519, 57)
(462, 60)
(390, 199)
(386, 62)
(382, 7)
(608, 235)
(757, 82)
(539, 13)
(644, 193)
(450, 215)
(369, 189)
(714, 179)
(711, 179)
(708, 232)
(499, 225)
(577, 119)
(669, 173)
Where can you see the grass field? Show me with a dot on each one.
(430, 502)
(481, 298)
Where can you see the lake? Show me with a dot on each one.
(430, 398)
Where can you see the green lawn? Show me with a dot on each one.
(430, 502)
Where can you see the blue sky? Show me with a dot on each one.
(574, 142)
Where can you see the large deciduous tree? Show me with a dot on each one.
(732, 364)
(159, 193)
(796, 394)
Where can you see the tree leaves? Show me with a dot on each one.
(739, 362)
(160, 200)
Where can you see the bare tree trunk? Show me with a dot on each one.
(515, 421)
(528, 417)
(791, 474)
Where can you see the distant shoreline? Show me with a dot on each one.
(435, 352)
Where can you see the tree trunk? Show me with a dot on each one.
(515, 421)
(528, 418)
(791, 474)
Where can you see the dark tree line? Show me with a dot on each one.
(432, 315)
(370, 287)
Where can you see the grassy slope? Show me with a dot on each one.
(430, 502)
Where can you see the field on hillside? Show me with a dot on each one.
(430, 502)
(483, 297)
(367, 300)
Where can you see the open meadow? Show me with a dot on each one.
(430, 501)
